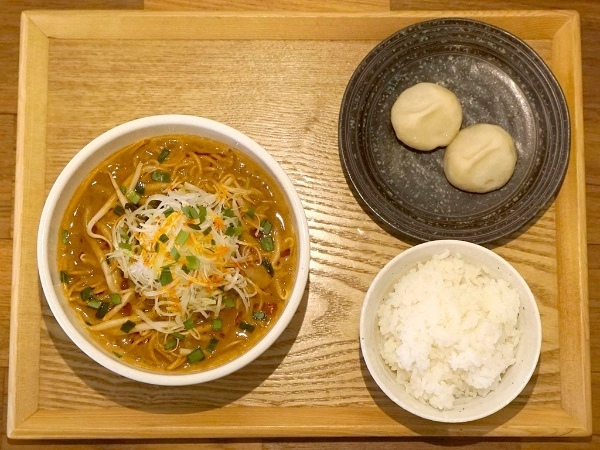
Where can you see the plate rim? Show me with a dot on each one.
(405, 228)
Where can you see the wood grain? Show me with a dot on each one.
(8, 128)
(10, 11)
(292, 110)
(590, 20)
(593, 200)
(5, 274)
(269, 5)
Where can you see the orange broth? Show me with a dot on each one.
(170, 286)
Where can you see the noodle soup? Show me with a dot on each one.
(177, 253)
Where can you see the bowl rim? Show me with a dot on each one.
(371, 355)
(193, 125)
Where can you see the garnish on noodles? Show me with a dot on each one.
(177, 253)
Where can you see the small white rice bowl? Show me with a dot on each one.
(450, 331)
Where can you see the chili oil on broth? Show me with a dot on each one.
(177, 253)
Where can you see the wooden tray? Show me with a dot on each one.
(279, 78)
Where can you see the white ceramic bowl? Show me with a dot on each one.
(514, 379)
(92, 155)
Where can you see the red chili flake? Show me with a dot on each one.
(126, 309)
(269, 308)
(238, 318)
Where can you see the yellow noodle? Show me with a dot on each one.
(91, 223)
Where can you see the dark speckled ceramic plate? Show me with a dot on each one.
(498, 79)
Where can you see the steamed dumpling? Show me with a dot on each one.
(426, 116)
(480, 159)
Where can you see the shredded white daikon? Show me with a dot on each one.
(182, 249)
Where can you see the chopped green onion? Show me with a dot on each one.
(207, 231)
(103, 309)
(118, 355)
(64, 236)
(233, 231)
(165, 276)
(175, 254)
(268, 266)
(123, 234)
(163, 155)
(229, 302)
(168, 212)
(259, 315)
(134, 197)
(64, 277)
(266, 226)
(228, 212)
(123, 189)
(212, 345)
(125, 245)
(160, 176)
(178, 336)
(194, 226)
(190, 212)
(193, 263)
(86, 293)
(195, 356)
(217, 324)
(94, 303)
(182, 236)
(250, 213)
(140, 188)
(246, 327)
(153, 204)
(170, 344)
(156, 247)
(115, 299)
(119, 210)
(127, 326)
(185, 269)
(188, 324)
(267, 243)
(202, 213)
(163, 238)
(130, 206)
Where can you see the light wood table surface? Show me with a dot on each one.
(9, 48)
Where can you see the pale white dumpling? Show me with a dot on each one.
(481, 158)
(426, 116)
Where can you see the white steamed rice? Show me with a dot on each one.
(449, 330)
